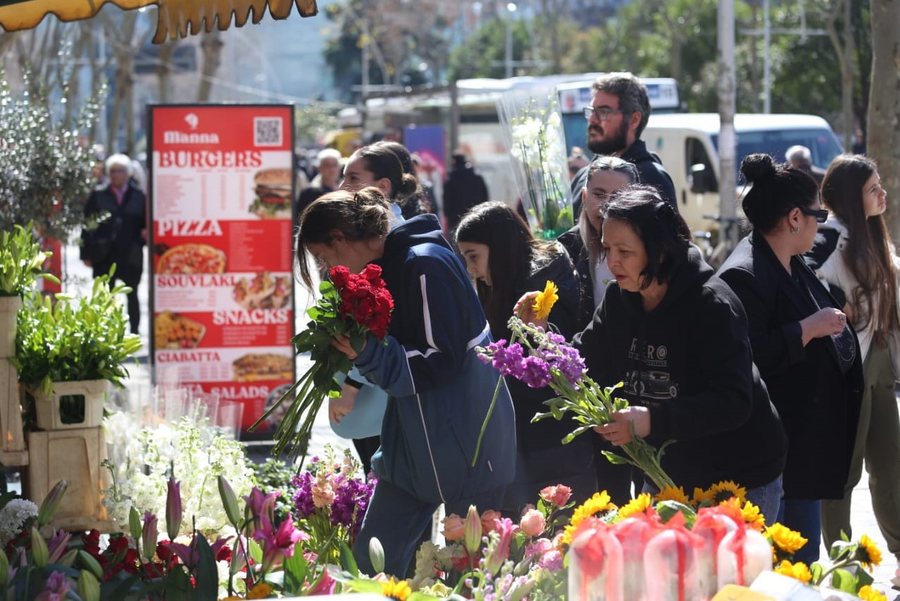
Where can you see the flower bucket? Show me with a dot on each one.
(9, 307)
(71, 405)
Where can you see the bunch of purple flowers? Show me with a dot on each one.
(540, 358)
(547, 351)
(330, 499)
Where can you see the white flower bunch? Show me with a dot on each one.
(14, 516)
(194, 450)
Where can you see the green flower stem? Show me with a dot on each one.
(487, 418)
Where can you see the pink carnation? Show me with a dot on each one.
(532, 522)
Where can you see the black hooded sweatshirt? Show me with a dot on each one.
(689, 361)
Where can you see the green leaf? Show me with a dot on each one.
(614, 458)
(206, 574)
(668, 509)
(843, 580)
(295, 571)
(348, 562)
(816, 570)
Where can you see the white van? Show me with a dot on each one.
(687, 143)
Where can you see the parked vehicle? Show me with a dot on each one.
(687, 143)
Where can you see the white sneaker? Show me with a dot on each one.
(896, 579)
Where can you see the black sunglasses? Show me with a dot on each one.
(821, 215)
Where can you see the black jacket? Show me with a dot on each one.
(572, 242)
(118, 239)
(818, 403)
(547, 433)
(649, 167)
(463, 190)
(689, 362)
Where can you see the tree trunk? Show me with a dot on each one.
(884, 104)
(843, 54)
(164, 70)
(212, 58)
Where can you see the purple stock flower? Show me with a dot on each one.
(534, 371)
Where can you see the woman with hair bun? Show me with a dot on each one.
(675, 335)
(438, 390)
(379, 165)
(858, 260)
(804, 348)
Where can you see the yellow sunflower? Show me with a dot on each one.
(672, 493)
(396, 590)
(753, 517)
(598, 503)
(725, 489)
(261, 590)
(784, 539)
(702, 497)
(798, 571)
(867, 593)
(640, 504)
(867, 552)
(544, 301)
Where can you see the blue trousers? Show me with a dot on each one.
(804, 516)
(399, 521)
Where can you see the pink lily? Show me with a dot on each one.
(262, 508)
(279, 543)
(57, 545)
(173, 508)
(498, 552)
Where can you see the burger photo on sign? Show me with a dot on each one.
(273, 193)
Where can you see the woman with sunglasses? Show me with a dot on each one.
(804, 348)
(863, 266)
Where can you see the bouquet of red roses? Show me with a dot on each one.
(351, 305)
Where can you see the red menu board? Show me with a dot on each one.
(222, 287)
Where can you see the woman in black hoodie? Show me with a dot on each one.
(505, 260)
(676, 335)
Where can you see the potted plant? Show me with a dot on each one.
(68, 353)
(21, 261)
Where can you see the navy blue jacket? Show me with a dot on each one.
(438, 390)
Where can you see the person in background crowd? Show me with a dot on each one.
(606, 175)
(806, 352)
(676, 336)
(463, 190)
(577, 161)
(619, 111)
(414, 204)
(860, 265)
(799, 157)
(119, 239)
(439, 391)
(505, 261)
(428, 202)
(328, 162)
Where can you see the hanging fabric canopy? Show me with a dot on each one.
(177, 18)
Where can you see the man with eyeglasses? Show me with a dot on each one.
(616, 118)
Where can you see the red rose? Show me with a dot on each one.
(372, 273)
(339, 276)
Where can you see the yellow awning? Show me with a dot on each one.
(176, 17)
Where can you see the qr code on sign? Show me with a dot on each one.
(267, 131)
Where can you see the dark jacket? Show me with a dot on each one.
(547, 433)
(118, 239)
(818, 403)
(826, 243)
(649, 167)
(573, 244)
(439, 391)
(463, 190)
(689, 362)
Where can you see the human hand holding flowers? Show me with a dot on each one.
(339, 407)
(626, 424)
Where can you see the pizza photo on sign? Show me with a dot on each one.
(263, 366)
(174, 331)
(273, 193)
(191, 258)
(263, 291)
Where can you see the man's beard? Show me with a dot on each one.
(610, 145)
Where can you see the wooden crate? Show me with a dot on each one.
(47, 406)
(9, 306)
(74, 455)
(12, 439)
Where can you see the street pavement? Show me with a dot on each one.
(77, 280)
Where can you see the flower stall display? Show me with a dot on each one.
(352, 305)
(21, 265)
(142, 458)
(533, 133)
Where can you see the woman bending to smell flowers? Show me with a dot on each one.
(676, 336)
(438, 391)
(505, 260)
